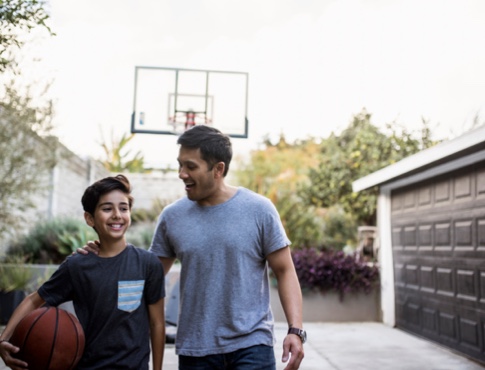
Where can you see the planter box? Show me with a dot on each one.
(8, 303)
(40, 274)
(318, 307)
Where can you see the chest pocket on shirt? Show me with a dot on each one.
(130, 294)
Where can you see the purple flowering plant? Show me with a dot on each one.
(333, 270)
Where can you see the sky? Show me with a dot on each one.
(312, 64)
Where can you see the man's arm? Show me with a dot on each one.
(93, 247)
(30, 303)
(289, 292)
(157, 332)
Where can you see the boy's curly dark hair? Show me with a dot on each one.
(92, 194)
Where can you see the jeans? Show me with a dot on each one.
(253, 358)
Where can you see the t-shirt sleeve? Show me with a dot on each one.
(160, 244)
(155, 280)
(58, 289)
(274, 235)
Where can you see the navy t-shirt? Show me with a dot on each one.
(111, 298)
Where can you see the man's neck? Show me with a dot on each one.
(223, 194)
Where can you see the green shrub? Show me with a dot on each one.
(14, 275)
(71, 241)
(52, 241)
(142, 215)
(141, 234)
(340, 228)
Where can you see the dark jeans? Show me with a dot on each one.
(252, 358)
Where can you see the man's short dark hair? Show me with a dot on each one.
(213, 144)
(95, 191)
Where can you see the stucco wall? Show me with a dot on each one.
(147, 187)
(66, 182)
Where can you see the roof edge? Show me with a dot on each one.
(420, 159)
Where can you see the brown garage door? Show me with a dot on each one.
(438, 237)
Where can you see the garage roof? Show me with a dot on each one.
(471, 141)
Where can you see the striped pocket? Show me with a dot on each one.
(129, 294)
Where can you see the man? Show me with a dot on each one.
(225, 237)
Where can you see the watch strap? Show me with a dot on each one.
(300, 332)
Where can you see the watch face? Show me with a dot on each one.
(303, 336)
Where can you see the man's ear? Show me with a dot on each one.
(89, 219)
(219, 169)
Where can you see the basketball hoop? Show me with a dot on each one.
(182, 121)
(189, 120)
(190, 96)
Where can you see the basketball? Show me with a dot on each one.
(49, 338)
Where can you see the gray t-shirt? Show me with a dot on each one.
(224, 287)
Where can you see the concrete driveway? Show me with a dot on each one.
(363, 346)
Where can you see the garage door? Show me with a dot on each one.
(438, 237)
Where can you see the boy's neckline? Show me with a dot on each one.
(111, 252)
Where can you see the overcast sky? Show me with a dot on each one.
(312, 64)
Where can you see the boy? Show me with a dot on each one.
(116, 329)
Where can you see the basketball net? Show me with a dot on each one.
(182, 121)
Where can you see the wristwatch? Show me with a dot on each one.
(300, 332)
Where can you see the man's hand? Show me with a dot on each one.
(91, 246)
(292, 345)
(6, 351)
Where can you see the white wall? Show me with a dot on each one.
(385, 257)
(67, 181)
(147, 187)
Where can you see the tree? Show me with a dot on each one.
(276, 172)
(17, 16)
(27, 154)
(358, 151)
(310, 182)
(119, 158)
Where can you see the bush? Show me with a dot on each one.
(141, 234)
(52, 241)
(142, 215)
(330, 270)
(14, 275)
(339, 228)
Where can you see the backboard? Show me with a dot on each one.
(168, 101)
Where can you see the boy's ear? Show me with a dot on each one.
(89, 219)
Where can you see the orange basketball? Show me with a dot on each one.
(49, 338)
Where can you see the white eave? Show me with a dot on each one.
(421, 159)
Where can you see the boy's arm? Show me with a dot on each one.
(157, 332)
(166, 263)
(30, 303)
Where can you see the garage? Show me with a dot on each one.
(431, 222)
